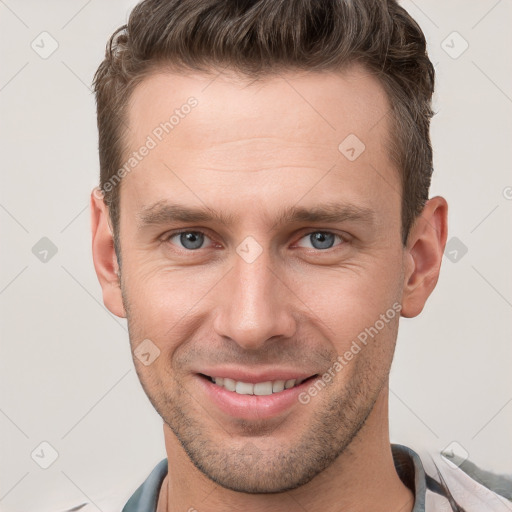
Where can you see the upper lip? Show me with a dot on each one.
(252, 377)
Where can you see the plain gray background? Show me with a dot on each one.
(67, 377)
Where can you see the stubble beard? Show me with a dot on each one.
(246, 459)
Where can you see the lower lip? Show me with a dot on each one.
(252, 407)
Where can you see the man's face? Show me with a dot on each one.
(260, 296)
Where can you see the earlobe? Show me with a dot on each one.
(424, 254)
(104, 255)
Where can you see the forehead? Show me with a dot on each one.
(280, 132)
(321, 107)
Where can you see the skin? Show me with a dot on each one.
(249, 150)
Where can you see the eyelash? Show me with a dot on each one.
(167, 237)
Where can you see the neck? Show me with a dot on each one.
(362, 478)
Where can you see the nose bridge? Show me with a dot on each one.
(254, 308)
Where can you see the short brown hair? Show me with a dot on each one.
(259, 37)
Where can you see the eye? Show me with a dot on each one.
(189, 240)
(321, 240)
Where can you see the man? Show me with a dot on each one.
(262, 222)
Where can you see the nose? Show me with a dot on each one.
(256, 304)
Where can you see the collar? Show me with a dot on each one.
(407, 463)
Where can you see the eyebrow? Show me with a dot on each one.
(165, 212)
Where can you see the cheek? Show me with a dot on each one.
(162, 299)
(364, 358)
(351, 298)
(168, 302)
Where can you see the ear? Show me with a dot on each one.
(423, 256)
(104, 255)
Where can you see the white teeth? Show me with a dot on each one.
(229, 384)
(244, 388)
(289, 383)
(263, 388)
(260, 388)
(277, 386)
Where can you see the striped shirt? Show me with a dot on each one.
(439, 485)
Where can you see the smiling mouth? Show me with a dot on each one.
(266, 388)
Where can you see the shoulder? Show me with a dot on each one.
(453, 482)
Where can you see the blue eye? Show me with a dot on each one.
(194, 240)
(321, 240)
(190, 240)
